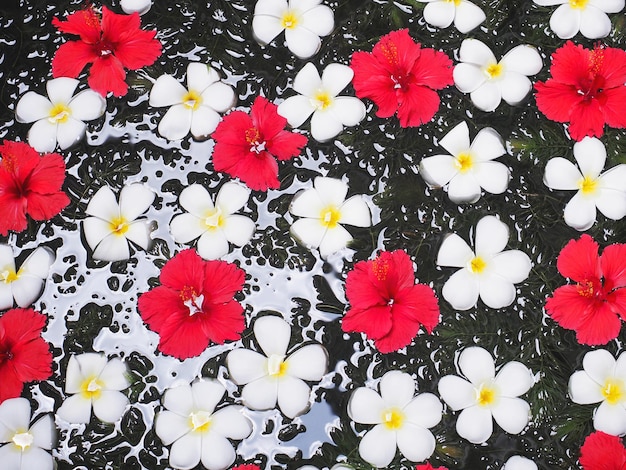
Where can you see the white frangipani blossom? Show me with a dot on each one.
(196, 430)
(587, 16)
(487, 271)
(442, 13)
(303, 21)
(401, 418)
(484, 396)
(602, 380)
(58, 119)
(517, 462)
(214, 224)
(94, 382)
(24, 446)
(604, 191)
(469, 167)
(135, 6)
(23, 285)
(195, 108)
(276, 377)
(324, 208)
(489, 81)
(113, 225)
(318, 96)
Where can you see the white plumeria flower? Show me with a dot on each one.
(606, 191)
(136, 6)
(602, 380)
(441, 13)
(485, 396)
(587, 16)
(24, 446)
(25, 284)
(59, 117)
(324, 209)
(488, 272)
(303, 21)
(112, 225)
(489, 81)
(276, 377)
(94, 382)
(194, 108)
(215, 224)
(401, 419)
(197, 432)
(469, 167)
(517, 462)
(318, 96)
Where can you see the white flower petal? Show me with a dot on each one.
(103, 204)
(335, 239)
(11, 457)
(477, 365)
(424, 410)
(590, 154)
(112, 248)
(475, 424)
(439, 14)
(348, 110)
(599, 365)
(6, 296)
(580, 212)
(245, 366)
(196, 200)
(302, 42)
(522, 59)
(514, 379)
(204, 121)
(325, 126)
(309, 362)
(176, 123)
(201, 76)
(261, 394)
(378, 446)
(271, 7)
(87, 105)
(461, 290)
(457, 140)
(464, 188)
(335, 77)
(487, 97)
(171, 427)
(132, 6)
(487, 145)
(583, 389)
(308, 232)
(458, 393)
(70, 132)
(35, 458)
(207, 394)
(594, 23)
(515, 87)
(113, 375)
(266, 27)
(217, 452)
(415, 443)
(475, 52)
(331, 190)
(608, 6)
(26, 290)
(38, 263)
(365, 406)
(32, 107)
(496, 291)
(518, 462)
(355, 212)
(166, 91)
(493, 177)
(219, 97)
(231, 423)
(468, 77)
(273, 335)
(14, 414)
(61, 90)
(238, 229)
(293, 396)
(95, 230)
(186, 227)
(610, 419)
(213, 244)
(454, 252)
(179, 399)
(511, 414)
(397, 389)
(611, 203)
(75, 409)
(319, 19)
(565, 21)
(135, 199)
(513, 265)
(561, 174)
(232, 197)
(74, 376)
(468, 16)
(42, 136)
(44, 432)
(615, 178)
(186, 451)
(296, 109)
(438, 170)
(308, 203)
(492, 235)
(110, 406)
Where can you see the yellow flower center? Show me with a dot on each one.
(59, 113)
(456, 2)
(8, 276)
(322, 100)
(464, 162)
(119, 226)
(200, 421)
(477, 265)
(276, 367)
(289, 20)
(214, 219)
(579, 4)
(588, 185)
(485, 395)
(493, 71)
(393, 418)
(613, 390)
(329, 217)
(91, 388)
(23, 440)
(192, 100)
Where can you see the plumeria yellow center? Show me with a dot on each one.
(59, 113)
(330, 216)
(289, 20)
(477, 265)
(464, 162)
(276, 367)
(613, 390)
(393, 418)
(456, 2)
(200, 421)
(485, 395)
(588, 185)
(119, 226)
(9, 275)
(192, 100)
(493, 71)
(214, 219)
(91, 388)
(23, 440)
(322, 100)
(579, 4)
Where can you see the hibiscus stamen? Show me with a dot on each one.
(200, 421)
(393, 418)
(289, 20)
(23, 440)
(192, 100)
(253, 137)
(585, 289)
(330, 216)
(390, 51)
(380, 268)
(59, 113)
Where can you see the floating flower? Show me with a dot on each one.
(194, 305)
(23, 285)
(603, 379)
(517, 462)
(402, 420)
(247, 146)
(92, 381)
(592, 305)
(428, 466)
(113, 225)
(110, 45)
(30, 184)
(485, 396)
(276, 377)
(194, 109)
(470, 167)
(401, 77)
(59, 117)
(587, 89)
(24, 354)
(25, 446)
(489, 81)
(602, 451)
(318, 96)
(442, 13)
(303, 23)
(197, 431)
(587, 16)
(324, 208)
(606, 191)
(215, 224)
(386, 304)
(136, 6)
(246, 467)
(488, 271)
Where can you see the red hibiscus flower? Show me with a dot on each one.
(428, 466)
(246, 467)
(194, 304)
(586, 89)
(247, 146)
(595, 302)
(29, 185)
(110, 45)
(401, 76)
(386, 304)
(602, 451)
(24, 354)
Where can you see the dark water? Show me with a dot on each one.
(91, 305)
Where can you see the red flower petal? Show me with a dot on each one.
(286, 145)
(13, 210)
(586, 120)
(71, 58)
(48, 175)
(374, 321)
(182, 336)
(433, 69)
(266, 119)
(602, 451)
(612, 67)
(10, 385)
(108, 74)
(84, 23)
(417, 106)
(397, 51)
(46, 206)
(159, 305)
(556, 100)
(570, 64)
(186, 269)
(566, 306)
(224, 322)
(418, 303)
(613, 104)
(222, 281)
(613, 263)
(579, 260)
